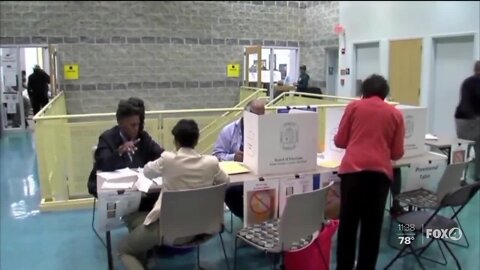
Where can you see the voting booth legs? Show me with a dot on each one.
(363, 197)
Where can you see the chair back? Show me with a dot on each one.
(451, 178)
(191, 212)
(304, 214)
(461, 196)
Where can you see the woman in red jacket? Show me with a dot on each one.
(372, 133)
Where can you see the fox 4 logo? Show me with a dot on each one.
(453, 234)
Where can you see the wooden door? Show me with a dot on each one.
(405, 71)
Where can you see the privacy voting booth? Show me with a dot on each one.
(281, 143)
(278, 148)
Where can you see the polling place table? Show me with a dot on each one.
(444, 145)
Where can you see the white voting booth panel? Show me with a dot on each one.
(281, 143)
(415, 129)
(333, 116)
(113, 205)
(424, 175)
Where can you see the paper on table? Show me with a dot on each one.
(143, 183)
(233, 167)
(329, 163)
(430, 137)
(158, 180)
(117, 185)
(123, 175)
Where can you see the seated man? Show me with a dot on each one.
(125, 145)
(229, 146)
(185, 169)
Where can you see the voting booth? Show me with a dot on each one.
(280, 143)
(415, 129)
(333, 116)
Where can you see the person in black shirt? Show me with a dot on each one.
(302, 83)
(467, 114)
(126, 145)
(38, 88)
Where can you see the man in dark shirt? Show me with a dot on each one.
(467, 114)
(302, 83)
(126, 145)
(38, 88)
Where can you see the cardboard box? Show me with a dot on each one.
(281, 143)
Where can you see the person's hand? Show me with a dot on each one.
(128, 147)
(238, 156)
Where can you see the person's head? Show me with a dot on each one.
(36, 68)
(186, 133)
(137, 102)
(256, 106)
(476, 68)
(375, 86)
(128, 119)
(303, 69)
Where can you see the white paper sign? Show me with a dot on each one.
(111, 206)
(415, 119)
(333, 116)
(260, 201)
(280, 143)
(424, 175)
(458, 153)
(288, 187)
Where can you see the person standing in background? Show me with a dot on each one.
(38, 88)
(372, 133)
(467, 114)
(302, 83)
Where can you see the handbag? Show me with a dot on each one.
(315, 256)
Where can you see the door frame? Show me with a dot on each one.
(353, 68)
(326, 65)
(430, 79)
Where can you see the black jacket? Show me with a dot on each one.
(107, 158)
(469, 104)
(38, 83)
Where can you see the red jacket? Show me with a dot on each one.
(372, 133)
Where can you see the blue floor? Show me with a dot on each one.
(32, 240)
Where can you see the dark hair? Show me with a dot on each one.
(375, 85)
(126, 109)
(186, 133)
(138, 103)
(303, 67)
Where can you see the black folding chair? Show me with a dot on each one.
(426, 220)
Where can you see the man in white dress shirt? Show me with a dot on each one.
(185, 169)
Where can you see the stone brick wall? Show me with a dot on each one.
(171, 54)
(319, 32)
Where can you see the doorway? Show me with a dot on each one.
(453, 62)
(331, 70)
(405, 71)
(16, 65)
(276, 65)
(367, 62)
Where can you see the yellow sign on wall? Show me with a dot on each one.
(70, 72)
(233, 70)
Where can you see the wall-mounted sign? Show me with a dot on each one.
(70, 72)
(233, 70)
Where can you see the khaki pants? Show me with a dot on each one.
(469, 129)
(140, 239)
